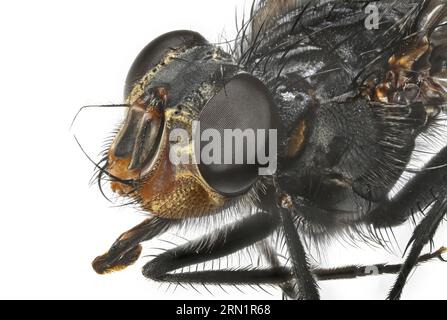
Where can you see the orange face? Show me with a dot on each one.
(162, 188)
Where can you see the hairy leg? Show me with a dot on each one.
(426, 194)
(422, 235)
(228, 240)
(307, 286)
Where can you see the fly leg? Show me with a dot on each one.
(357, 271)
(226, 241)
(422, 236)
(425, 194)
(307, 285)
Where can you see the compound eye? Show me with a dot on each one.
(238, 119)
(155, 51)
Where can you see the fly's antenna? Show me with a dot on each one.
(97, 107)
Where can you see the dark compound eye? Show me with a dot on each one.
(245, 104)
(155, 51)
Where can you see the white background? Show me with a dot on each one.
(56, 57)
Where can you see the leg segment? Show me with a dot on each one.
(352, 272)
(307, 286)
(127, 249)
(214, 246)
(426, 189)
(288, 288)
(423, 234)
